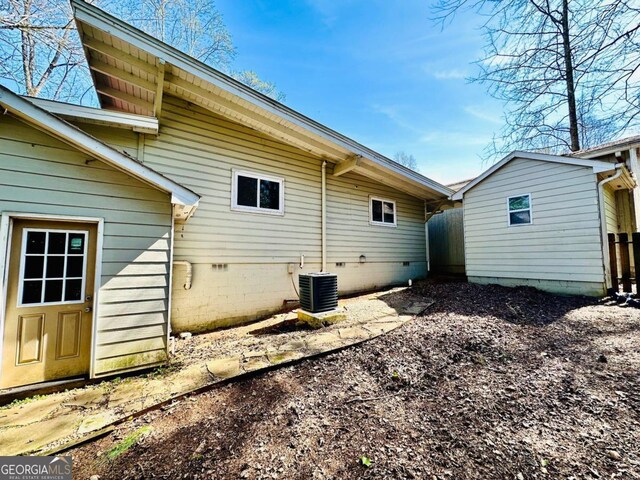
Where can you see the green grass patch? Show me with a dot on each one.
(22, 401)
(129, 441)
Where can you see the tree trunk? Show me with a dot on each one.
(571, 88)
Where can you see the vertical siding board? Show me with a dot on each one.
(137, 223)
(446, 242)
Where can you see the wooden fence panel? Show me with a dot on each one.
(446, 242)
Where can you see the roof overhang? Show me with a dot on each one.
(132, 70)
(597, 166)
(98, 116)
(184, 200)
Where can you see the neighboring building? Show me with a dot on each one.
(542, 220)
(107, 253)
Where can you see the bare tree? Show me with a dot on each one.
(39, 49)
(41, 55)
(409, 161)
(568, 70)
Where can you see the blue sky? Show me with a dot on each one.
(380, 72)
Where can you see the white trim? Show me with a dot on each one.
(45, 256)
(382, 223)
(596, 165)
(6, 231)
(95, 17)
(258, 177)
(170, 285)
(84, 142)
(509, 211)
(98, 116)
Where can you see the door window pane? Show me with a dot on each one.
(35, 242)
(269, 194)
(55, 267)
(247, 191)
(74, 266)
(73, 290)
(53, 291)
(32, 291)
(76, 243)
(56, 242)
(34, 266)
(57, 273)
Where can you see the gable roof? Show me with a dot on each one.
(608, 148)
(597, 167)
(82, 141)
(132, 70)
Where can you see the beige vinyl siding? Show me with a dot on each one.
(610, 209)
(241, 260)
(386, 248)
(561, 249)
(39, 174)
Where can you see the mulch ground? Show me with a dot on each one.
(489, 382)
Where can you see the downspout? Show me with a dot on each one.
(603, 223)
(188, 275)
(324, 216)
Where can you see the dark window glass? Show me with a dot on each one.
(76, 243)
(389, 214)
(53, 291)
(247, 191)
(519, 203)
(57, 242)
(519, 218)
(269, 195)
(74, 266)
(32, 291)
(33, 267)
(55, 267)
(376, 210)
(73, 290)
(35, 242)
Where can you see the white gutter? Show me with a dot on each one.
(324, 215)
(603, 224)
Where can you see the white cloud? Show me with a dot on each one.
(455, 139)
(482, 114)
(452, 74)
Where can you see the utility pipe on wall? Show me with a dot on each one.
(324, 215)
(188, 275)
(603, 223)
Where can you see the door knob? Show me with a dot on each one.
(87, 309)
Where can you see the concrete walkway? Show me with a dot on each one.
(41, 424)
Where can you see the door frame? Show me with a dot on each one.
(6, 233)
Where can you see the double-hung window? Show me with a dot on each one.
(255, 192)
(519, 210)
(382, 212)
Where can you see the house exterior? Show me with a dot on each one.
(542, 220)
(187, 202)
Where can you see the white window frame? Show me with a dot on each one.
(383, 223)
(530, 210)
(258, 177)
(21, 279)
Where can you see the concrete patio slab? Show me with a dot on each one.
(35, 426)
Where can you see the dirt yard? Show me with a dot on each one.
(489, 383)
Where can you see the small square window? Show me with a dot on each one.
(382, 212)
(519, 210)
(253, 192)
